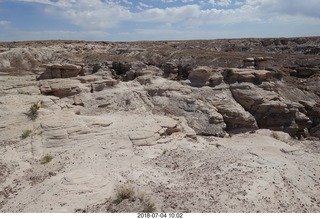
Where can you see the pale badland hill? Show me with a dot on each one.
(167, 126)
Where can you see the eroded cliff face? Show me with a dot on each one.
(150, 114)
(261, 89)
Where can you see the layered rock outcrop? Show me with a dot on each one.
(62, 88)
(215, 100)
(201, 79)
(61, 71)
(271, 110)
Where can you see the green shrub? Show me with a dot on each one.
(33, 112)
(26, 134)
(228, 72)
(46, 159)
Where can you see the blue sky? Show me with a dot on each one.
(127, 20)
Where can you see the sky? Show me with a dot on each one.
(128, 20)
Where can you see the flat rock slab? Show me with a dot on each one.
(166, 121)
(142, 134)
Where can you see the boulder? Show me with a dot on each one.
(139, 69)
(199, 76)
(121, 68)
(144, 80)
(258, 63)
(248, 63)
(237, 118)
(262, 75)
(101, 85)
(269, 109)
(304, 72)
(202, 117)
(234, 115)
(61, 71)
(261, 63)
(246, 75)
(312, 111)
(89, 78)
(215, 80)
(78, 101)
(169, 68)
(62, 88)
(171, 97)
(315, 131)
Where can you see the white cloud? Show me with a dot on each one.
(308, 8)
(187, 1)
(97, 15)
(224, 2)
(94, 14)
(143, 5)
(55, 35)
(238, 3)
(169, 15)
(45, 2)
(168, 1)
(4, 23)
(127, 2)
(212, 2)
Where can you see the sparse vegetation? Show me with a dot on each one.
(128, 193)
(165, 152)
(229, 72)
(124, 193)
(149, 207)
(46, 159)
(26, 134)
(33, 112)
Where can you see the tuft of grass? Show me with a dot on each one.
(149, 207)
(164, 152)
(124, 193)
(128, 193)
(46, 159)
(26, 133)
(33, 112)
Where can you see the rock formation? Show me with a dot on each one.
(166, 118)
(61, 71)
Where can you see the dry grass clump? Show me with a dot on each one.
(124, 193)
(33, 112)
(46, 159)
(26, 133)
(135, 202)
(149, 207)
